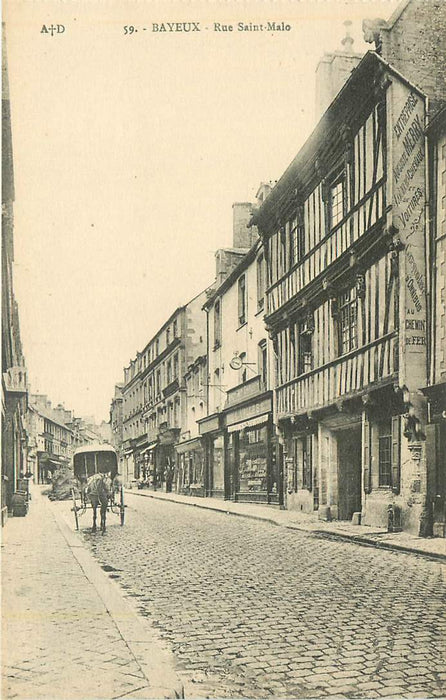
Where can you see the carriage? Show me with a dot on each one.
(97, 464)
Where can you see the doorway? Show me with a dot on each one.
(349, 472)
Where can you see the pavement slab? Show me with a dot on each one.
(64, 633)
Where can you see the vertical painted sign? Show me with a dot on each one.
(409, 197)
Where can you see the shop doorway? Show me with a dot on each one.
(349, 472)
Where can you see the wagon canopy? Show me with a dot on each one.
(94, 458)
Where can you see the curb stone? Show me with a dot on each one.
(341, 536)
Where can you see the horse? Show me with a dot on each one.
(99, 491)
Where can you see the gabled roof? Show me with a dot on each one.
(300, 176)
(234, 274)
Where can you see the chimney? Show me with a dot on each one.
(333, 71)
(243, 237)
(263, 191)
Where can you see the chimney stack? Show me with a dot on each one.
(333, 71)
(243, 237)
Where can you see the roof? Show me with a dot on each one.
(94, 447)
(437, 125)
(396, 14)
(49, 417)
(234, 274)
(355, 91)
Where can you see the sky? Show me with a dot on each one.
(129, 151)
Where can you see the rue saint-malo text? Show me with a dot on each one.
(218, 27)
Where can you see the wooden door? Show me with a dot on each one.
(349, 472)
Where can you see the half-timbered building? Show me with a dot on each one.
(344, 240)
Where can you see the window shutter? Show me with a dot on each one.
(396, 454)
(367, 457)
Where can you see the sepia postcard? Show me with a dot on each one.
(223, 349)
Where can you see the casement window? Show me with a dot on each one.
(348, 321)
(260, 282)
(217, 324)
(175, 329)
(303, 471)
(263, 367)
(169, 371)
(176, 417)
(157, 347)
(385, 452)
(337, 199)
(388, 444)
(307, 471)
(305, 348)
(175, 366)
(297, 242)
(242, 300)
(167, 337)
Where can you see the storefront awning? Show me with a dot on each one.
(149, 447)
(250, 423)
(188, 445)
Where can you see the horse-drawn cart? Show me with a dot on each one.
(95, 468)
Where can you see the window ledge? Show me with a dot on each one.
(242, 325)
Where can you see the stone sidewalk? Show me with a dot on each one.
(434, 547)
(67, 631)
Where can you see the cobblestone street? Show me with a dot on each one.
(251, 609)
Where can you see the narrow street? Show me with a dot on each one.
(253, 610)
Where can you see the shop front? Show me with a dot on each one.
(252, 466)
(190, 467)
(212, 435)
(165, 462)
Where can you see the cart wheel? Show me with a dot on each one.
(122, 506)
(75, 509)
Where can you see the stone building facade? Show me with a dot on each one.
(436, 389)
(238, 431)
(51, 439)
(14, 376)
(154, 397)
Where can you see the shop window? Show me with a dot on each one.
(260, 282)
(348, 321)
(242, 300)
(385, 452)
(217, 324)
